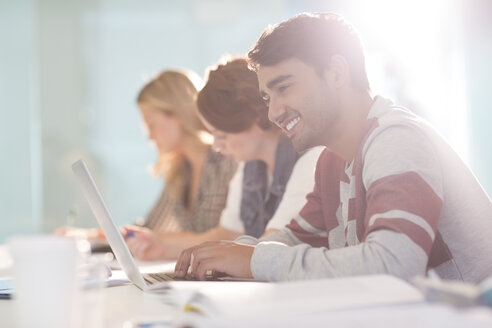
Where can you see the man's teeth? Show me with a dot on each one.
(292, 123)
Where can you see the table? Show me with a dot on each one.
(107, 307)
(120, 306)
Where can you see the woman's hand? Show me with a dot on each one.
(143, 243)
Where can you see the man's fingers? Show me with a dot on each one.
(193, 256)
(203, 268)
(205, 254)
(183, 263)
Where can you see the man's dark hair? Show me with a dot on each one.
(313, 39)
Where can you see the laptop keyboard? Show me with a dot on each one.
(153, 278)
(165, 276)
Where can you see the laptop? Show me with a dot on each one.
(115, 239)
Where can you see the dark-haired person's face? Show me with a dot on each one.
(300, 101)
(241, 146)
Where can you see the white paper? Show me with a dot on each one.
(246, 299)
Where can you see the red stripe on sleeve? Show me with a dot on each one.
(406, 192)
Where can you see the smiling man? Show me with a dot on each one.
(390, 195)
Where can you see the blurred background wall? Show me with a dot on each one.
(70, 72)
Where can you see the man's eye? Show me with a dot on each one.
(282, 88)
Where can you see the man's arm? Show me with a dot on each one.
(402, 179)
(383, 252)
(284, 236)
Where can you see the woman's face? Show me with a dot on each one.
(241, 146)
(164, 128)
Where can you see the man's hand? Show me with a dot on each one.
(226, 257)
(143, 243)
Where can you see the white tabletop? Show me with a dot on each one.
(106, 307)
(119, 305)
(123, 305)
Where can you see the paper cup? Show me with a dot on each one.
(45, 280)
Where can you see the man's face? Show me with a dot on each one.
(302, 102)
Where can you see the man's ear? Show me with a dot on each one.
(339, 68)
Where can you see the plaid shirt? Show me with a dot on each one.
(170, 215)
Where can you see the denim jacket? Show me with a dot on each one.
(259, 200)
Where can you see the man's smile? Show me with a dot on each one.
(290, 124)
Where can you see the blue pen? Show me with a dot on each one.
(130, 234)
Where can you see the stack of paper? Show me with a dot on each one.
(421, 315)
(248, 299)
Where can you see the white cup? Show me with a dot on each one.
(45, 280)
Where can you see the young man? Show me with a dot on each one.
(390, 195)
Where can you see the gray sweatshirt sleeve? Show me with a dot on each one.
(284, 236)
(247, 240)
(383, 251)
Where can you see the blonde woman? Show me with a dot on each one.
(196, 177)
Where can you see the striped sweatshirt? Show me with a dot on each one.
(405, 203)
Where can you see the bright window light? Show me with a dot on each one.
(415, 56)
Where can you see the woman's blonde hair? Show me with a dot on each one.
(174, 93)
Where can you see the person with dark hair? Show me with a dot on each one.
(390, 196)
(272, 179)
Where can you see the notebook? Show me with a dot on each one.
(115, 239)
